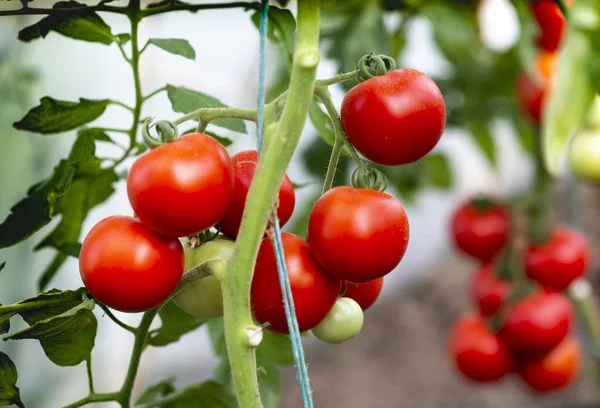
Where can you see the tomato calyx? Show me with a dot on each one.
(167, 133)
(372, 65)
(483, 203)
(370, 178)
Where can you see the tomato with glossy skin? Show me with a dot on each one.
(314, 291)
(489, 292)
(555, 370)
(559, 261)
(365, 294)
(356, 234)
(204, 298)
(343, 322)
(244, 165)
(478, 353)
(182, 188)
(552, 24)
(584, 155)
(538, 322)
(480, 232)
(128, 267)
(396, 118)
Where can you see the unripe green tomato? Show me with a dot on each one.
(203, 298)
(584, 154)
(342, 323)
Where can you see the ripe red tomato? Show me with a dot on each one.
(561, 260)
(477, 352)
(489, 293)
(357, 234)
(182, 188)
(128, 267)
(555, 370)
(396, 118)
(552, 24)
(538, 322)
(480, 232)
(531, 91)
(244, 166)
(314, 291)
(365, 294)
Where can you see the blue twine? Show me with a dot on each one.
(284, 281)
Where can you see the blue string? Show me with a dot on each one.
(284, 282)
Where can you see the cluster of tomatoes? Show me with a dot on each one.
(190, 185)
(532, 91)
(522, 324)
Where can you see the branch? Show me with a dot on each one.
(195, 7)
(47, 11)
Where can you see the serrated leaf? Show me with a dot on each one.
(185, 100)
(53, 116)
(569, 102)
(175, 46)
(483, 138)
(175, 323)
(81, 23)
(98, 134)
(209, 394)
(9, 393)
(437, 168)
(156, 392)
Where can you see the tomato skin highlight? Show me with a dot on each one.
(128, 267)
(365, 294)
(477, 352)
(244, 166)
(314, 291)
(481, 234)
(182, 188)
(358, 235)
(538, 322)
(555, 370)
(552, 24)
(396, 118)
(489, 293)
(561, 260)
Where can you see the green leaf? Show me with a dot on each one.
(185, 100)
(216, 333)
(175, 323)
(221, 139)
(209, 394)
(2, 265)
(98, 134)
(322, 123)
(53, 116)
(81, 23)
(437, 168)
(4, 325)
(51, 270)
(270, 385)
(175, 46)
(274, 349)
(568, 104)
(281, 28)
(222, 373)
(9, 393)
(156, 392)
(123, 38)
(482, 136)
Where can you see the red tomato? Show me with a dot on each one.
(480, 233)
(182, 188)
(396, 118)
(489, 293)
(552, 24)
(538, 322)
(128, 267)
(314, 291)
(555, 370)
(561, 260)
(356, 234)
(477, 352)
(244, 166)
(364, 294)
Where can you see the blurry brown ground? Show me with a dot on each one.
(400, 360)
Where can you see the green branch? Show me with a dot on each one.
(115, 319)
(195, 7)
(47, 11)
(112, 396)
(210, 114)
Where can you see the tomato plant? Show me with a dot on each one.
(358, 235)
(343, 322)
(365, 294)
(128, 267)
(488, 291)
(583, 155)
(551, 22)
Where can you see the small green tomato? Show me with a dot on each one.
(203, 298)
(584, 155)
(342, 323)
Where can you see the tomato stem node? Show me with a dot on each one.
(368, 177)
(255, 335)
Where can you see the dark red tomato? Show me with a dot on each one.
(365, 294)
(396, 118)
(555, 370)
(561, 260)
(480, 232)
(182, 188)
(244, 166)
(357, 234)
(128, 267)
(477, 352)
(538, 322)
(552, 24)
(314, 291)
(489, 293)
(530, 95)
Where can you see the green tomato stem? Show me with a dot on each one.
(334, 159)
(210, 114)
(150, 95)
(173, 6)
(338, 78)
(261, 199)
(88, 365)
(115, 319)
(112, 396)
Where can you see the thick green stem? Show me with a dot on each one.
(210, 114)
(261, 199)
(339, 78)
